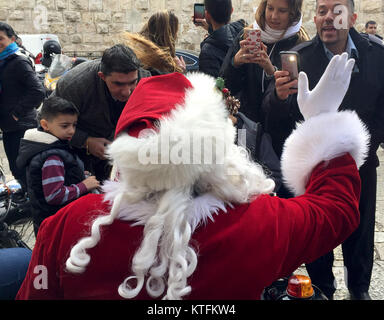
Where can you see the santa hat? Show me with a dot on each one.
(154, 98)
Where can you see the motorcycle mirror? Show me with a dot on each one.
(14, 186)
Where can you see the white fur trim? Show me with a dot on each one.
(39, 136)
(322, 138)
(144, 161)
(203, 207)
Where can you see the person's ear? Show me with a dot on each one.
(44, 124)
(101, 75)
(207, 16)
(353, 19)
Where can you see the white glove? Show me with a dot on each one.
(329, 92)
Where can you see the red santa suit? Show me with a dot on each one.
(240, 246)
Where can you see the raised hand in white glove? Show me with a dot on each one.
(329, 92)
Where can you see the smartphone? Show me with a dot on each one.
(290, 62)
(198, 12)
(254, 36)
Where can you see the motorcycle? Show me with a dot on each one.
(60, 65)
(14, 211)
(295, 287)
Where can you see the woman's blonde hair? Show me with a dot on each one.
(294, 7)
(150, 54)
(161, 29)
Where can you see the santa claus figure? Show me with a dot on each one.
(189, 216)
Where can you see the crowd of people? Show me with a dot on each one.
(191, 229)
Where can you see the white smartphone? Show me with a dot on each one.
(254, 36)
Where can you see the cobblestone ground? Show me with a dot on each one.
(377, 283)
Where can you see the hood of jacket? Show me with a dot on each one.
(36, 141)
(223, 37)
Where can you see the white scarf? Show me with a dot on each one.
(270, 35)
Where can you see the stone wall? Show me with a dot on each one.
(92, 25)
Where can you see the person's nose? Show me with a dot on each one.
(127, 90)
(274, 15)
(72, 129)
(330, 16)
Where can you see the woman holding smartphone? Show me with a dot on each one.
(246, 71)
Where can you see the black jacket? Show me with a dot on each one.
(214, 47)
(21, 93)
(35, 148)
(247, 81)
(365, 94)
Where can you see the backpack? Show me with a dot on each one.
(252, 136)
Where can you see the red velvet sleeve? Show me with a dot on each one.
(306, 227)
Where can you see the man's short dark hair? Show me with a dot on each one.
(7, 29)
(119, 58)
(369, 22)
(54, 106)
(220, 10)
(350, 3)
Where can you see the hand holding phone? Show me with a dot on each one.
(290, 63)
(198, 12)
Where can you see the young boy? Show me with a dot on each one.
(55, 174)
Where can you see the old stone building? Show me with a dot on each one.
(91, 25)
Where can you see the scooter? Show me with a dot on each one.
(60, 65)
(14, 210)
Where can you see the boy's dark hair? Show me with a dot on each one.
(119, 58)
(54, 106)
(220, 10)
(369, 22)
(7, 29)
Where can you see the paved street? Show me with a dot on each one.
(377, 283)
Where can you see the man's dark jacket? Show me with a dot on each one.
(21, 93)
(365, 94)
(214, 47)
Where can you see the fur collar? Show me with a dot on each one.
(203, 207)
(39, 136)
